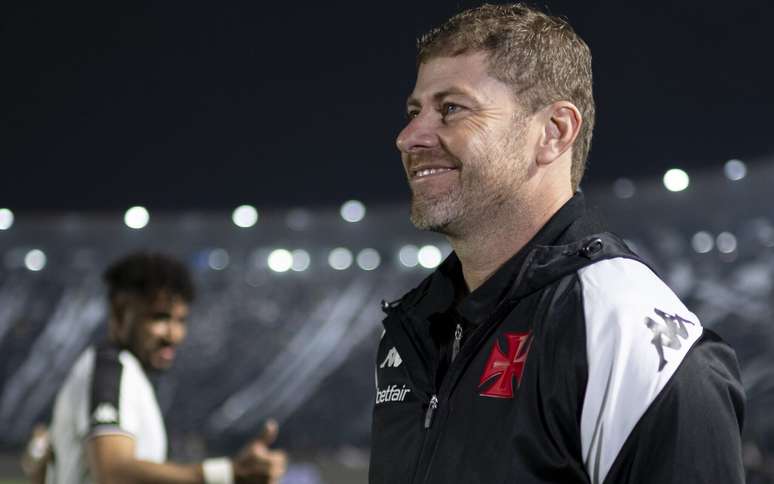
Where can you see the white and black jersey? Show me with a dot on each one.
(106, 392)
(574, 363)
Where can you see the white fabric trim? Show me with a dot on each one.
(218, 471)
(629, 311)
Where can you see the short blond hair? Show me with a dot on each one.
(540, 55)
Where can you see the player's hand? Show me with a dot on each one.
(257, 463)
(37, 453)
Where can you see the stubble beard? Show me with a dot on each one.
(484, 188)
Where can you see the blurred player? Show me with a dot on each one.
(107, 426)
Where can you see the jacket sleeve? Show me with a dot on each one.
(663, 402)
(692, 432)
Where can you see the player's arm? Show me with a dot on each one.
(111, 460)
(37, 455)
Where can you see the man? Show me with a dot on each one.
(542, 350)
(107, 427)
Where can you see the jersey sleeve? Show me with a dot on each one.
(110, 408)
(661, 391)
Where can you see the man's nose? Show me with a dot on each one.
(420, 133)
(175, 332)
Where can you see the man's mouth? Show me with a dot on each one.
(166, 353)
(421, 172)
(429, 171)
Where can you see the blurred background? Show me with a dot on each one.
(256, 142)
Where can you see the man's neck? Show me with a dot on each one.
(498, 238)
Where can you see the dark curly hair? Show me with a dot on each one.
(147, 275)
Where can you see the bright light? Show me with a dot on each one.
(429, 256)
(218, 259)
(368, 259)
(735, 170)
(35, 260)
(726, 242)
(301, 260)
(623, 188)
(6, 219)
(244, 216)
(765, 232)
(136, 217)
(340, 258)
(280, 260)
(408, 255)
(702, 242)
(353, 211)
(676, 180)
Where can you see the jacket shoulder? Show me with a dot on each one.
(637, 334)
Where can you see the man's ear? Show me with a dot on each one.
(120, 320)
(561, 123)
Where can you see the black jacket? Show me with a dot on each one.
(573, 363)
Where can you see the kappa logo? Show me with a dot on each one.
(393, 359)
(105, 413)
(505, 367)
(667, 332)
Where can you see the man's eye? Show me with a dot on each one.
(449, 108)
(412, 114)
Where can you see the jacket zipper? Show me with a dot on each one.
(457, 342)
(434, 399)
(430, 411)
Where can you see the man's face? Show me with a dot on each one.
(153, 330)
(463, 149)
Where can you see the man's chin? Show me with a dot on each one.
(432, 218)
(436, 213)
(158, 363)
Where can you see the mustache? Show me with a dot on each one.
(424, 157)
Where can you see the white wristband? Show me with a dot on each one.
(218, 471)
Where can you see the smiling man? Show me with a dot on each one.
(107, 426)
(543, 350)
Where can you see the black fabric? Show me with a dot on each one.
(469, 309)
(671, 443)
(464, 422)
(106, 387)
(479, 304)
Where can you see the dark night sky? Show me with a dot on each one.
(213, 104)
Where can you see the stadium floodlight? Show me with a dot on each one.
(429, 256)
(6, 218)
(245, 216)
(735, 170)
(368, 259)
(726, 242)
(353, 211)
(407, 255)
(624, 188)
(676, 180)
(136, 217)
(35, 260)
(340, 258)
(301, 260)
(702, 242)
(218, 259)
(280, 260)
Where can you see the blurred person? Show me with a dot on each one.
(107, 426)
(542, 350)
